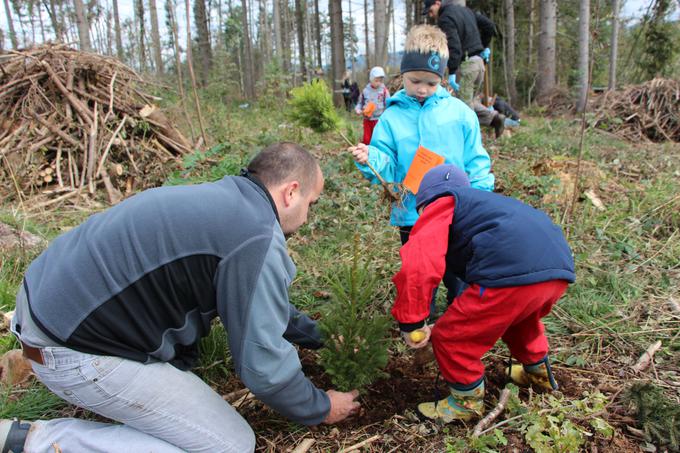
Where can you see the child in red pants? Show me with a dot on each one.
(517, 264)
(372, 102)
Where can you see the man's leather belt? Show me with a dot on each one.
(32, 353)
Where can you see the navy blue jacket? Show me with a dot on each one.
(479, 237)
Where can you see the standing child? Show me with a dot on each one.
(517, 263)
(423, 115)
(372, 101)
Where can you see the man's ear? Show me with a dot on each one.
(291, 190)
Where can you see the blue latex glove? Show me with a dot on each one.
(486, 53)
(452, 82)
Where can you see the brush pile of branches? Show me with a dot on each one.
(395, 83)
(75, 124)
(639, 112)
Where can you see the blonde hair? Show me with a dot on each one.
(426, 39)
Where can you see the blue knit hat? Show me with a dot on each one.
(438, 182)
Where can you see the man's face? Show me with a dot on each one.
(434, 10)
(421, 84)
(295, 214)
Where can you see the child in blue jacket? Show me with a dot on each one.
(423, 114)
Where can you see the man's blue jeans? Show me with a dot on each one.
(160, 408)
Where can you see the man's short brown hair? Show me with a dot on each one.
(285, 161)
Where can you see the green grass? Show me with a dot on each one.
(626, 255)
(31, 403)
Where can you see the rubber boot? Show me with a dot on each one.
(498, 123)
(463, 403)
(13, 435)
(538, 374)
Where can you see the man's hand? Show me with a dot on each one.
(452, 82)
(359, 153)
(342, 405)
(427, 330)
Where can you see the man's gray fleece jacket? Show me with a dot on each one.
(144, 279)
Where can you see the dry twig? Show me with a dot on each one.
(491, 416)
(304, 446)
(361, 444)
(646, 358)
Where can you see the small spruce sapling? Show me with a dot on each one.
(312, 106)
(355, 334)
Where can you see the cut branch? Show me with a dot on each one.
(646, 358)
(491, 416)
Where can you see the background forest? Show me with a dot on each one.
(100, 99)
(248, 48)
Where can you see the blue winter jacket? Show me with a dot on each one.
(442, 124)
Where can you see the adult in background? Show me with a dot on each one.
(111, 313)
(347, 91)
(468, 36)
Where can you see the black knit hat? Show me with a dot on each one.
(426, 6)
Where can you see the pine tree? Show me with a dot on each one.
(355, 335)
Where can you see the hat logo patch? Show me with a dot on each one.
(434, 61)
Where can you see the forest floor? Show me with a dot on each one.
(624, 234)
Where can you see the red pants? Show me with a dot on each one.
(480, 316)
(369, 125)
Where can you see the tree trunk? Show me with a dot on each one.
(139, 9)
(204, 49)
(278, 36)
(409, 14)
(309, 37)
(350, 33)
(394, 28)
(380, 31)
(191, 72)
(286, 35)
(614, 46)
(546, 48)
(116, 30)
(52, 12)
(317, 31)
(109, 32)
(366, 41)
(417, 12)
(40, 21)
(265, 35)
(510, 49)
(31, 15)
(249, 72)
(83, 26)
(337, 50)
(530, 35)
(174, 34)
(583, 47)
(156, 38)
(300, 6)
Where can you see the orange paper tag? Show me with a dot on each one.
(369, 109)
(423, 161)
